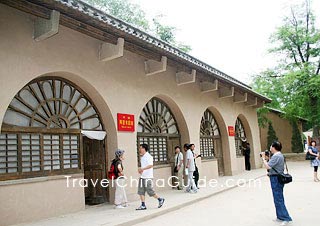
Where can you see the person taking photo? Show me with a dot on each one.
(275, 166)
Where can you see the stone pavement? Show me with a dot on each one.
(178, 200)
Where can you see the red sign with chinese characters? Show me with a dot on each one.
(231, 131)
(125, 122)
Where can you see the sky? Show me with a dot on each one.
(230, 35)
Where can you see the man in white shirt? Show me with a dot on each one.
(190, 166)
(146, 176)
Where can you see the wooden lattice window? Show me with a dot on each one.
(239, 136)
(156, 125)
(52, 103)
(8, 153)
(41, 129)
(157, 147)
(209, 134)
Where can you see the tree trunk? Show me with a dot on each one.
(315, 131)
(314, 117)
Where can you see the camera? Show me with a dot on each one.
(267, 154)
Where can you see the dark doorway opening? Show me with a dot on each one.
(94, 158)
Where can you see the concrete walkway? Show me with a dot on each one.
(253, 205)
(175, 200)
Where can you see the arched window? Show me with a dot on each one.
(156, 126)
(209, 135)
(240, 136)
(40, 132)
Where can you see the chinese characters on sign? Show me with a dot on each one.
(231, 131)
(125, 122)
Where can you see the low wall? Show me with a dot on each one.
(240, 167)
(209, 168)
(295, 156)
(38, 198)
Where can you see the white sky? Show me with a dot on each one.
(230, 35)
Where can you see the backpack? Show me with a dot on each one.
(310, 157)
(112, 173)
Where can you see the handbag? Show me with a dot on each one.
(284, 178)
(309, 156)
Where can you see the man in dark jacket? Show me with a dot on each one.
(246, 152)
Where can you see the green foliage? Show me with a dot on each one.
(296, 140)
(124, 10)
(262, 117)
(294, 83)
(271, 135)
(165, 33)
(133, 14)
(270, 84)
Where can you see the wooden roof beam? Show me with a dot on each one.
(209, 86)
(110, 51)
(183, 77)
(153, 67)
(46, 28)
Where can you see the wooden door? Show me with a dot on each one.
(94, 158)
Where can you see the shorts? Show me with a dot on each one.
(145, 185)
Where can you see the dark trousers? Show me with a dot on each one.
(196, 176)
(277, 192)
(247, 162)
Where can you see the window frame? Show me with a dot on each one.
(42, 172)
(73, 96)
(156, 104)
(208, 116)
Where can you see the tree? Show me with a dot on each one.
(294, 83)
(122, 9)
(271, 136)
(133, 14)
(296, 140)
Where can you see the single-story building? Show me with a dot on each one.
(76, 84)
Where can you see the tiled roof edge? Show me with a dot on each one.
(136, 32)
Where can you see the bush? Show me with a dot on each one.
(271, 135)
(296, 140)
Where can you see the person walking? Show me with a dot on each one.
(196, 172)
(146, 178)
(190, 166)
(316, 162)
(120, 200)
(275, 166)
(178, 167)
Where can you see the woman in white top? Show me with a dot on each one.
(120, 200)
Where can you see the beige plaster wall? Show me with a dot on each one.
(38, 198)
(209, 169)
(117, 86)
(240, 166)
(283, 130)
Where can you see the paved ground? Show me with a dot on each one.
(248, 205)
(253, 205)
